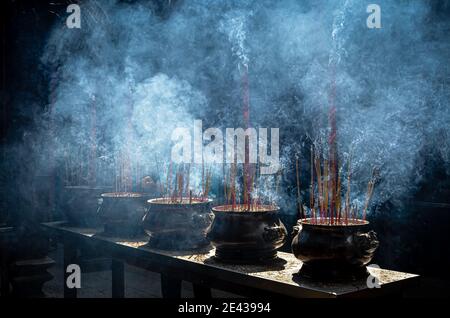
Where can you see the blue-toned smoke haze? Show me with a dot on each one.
(154, 72)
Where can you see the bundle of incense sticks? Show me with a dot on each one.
(124, 173)
(124, 168)
(92, 173)
(325, 202)
(77, 172)
(246, 198)
(299, 196)
(81, 168)
(178, 190)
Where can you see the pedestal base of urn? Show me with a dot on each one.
(177, 242)
(236, 255)
(121, 230)
(333, 273)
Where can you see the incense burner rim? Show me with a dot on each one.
(307, 222)
(113, 195)
(269, 209)
(155, 202)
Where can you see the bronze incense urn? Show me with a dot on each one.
(80, 204)
(121, 214)
(179, 224)
(334, 251)
(246, 236)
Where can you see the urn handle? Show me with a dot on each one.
(296, 229)
(274, 233)
(367, 242)
(204, 219)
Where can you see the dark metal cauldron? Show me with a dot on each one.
(334, 251)
(178, 225)
(121, 214)
(245, 237)
(80, 204)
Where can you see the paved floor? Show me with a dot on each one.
(138, 283)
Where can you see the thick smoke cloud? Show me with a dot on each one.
(154, 72)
